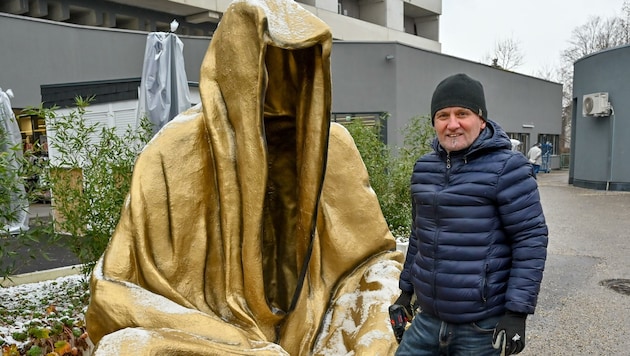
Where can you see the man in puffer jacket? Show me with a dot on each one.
(478, 240)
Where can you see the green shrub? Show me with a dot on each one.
(89, 176)
(19, 336)
(35, 351)
(390, 168)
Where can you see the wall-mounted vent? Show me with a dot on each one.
(596, 104)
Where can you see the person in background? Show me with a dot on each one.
(516, 145)
(478, 240)
(535, 158)
(547, 149)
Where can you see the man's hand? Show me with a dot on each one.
(400, 313)
(405, 301)
(509, 335)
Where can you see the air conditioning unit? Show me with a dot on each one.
(596, 104)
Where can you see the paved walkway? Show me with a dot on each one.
(589, 242)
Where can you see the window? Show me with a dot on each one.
(369, 119)
(550, 143)
(523, 138)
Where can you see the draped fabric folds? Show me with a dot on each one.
(16, 219)
(250, 226)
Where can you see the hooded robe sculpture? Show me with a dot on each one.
(250, 226)
(163, 91)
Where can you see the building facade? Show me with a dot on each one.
(414, 22)
(373, 74)
(399, 80)
(600, 121)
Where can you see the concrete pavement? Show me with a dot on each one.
(589, 244)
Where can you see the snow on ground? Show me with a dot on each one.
(21, 305)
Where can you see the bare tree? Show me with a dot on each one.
(506, 54)
(595, 35)
(625, 8)
(547, 72)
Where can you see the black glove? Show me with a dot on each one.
(400, 313)
(509, 334)
(405, 301)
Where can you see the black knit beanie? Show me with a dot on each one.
(459, 90)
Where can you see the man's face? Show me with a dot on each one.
(457, 128)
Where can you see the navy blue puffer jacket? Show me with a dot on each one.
(479, 239)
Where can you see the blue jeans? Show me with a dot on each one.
(535, 169)
(428, 335)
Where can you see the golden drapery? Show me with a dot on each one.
(250, 226)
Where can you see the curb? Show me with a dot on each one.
(40, 276)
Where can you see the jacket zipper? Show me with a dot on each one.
(437, 233)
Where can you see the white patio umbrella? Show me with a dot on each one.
(13, 145)
(163, 91)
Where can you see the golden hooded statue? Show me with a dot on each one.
(250, 227)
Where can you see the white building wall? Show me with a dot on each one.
(395, 15)
(328, 5)
(388, 13)
(377, 20)
(351, 29)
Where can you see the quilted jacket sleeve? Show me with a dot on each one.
(522, 218)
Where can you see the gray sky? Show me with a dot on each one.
(470, 28)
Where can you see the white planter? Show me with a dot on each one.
(402, 247)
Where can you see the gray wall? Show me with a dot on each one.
(599, 145)
(363, 80)
(402, 86)
(38, 52)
